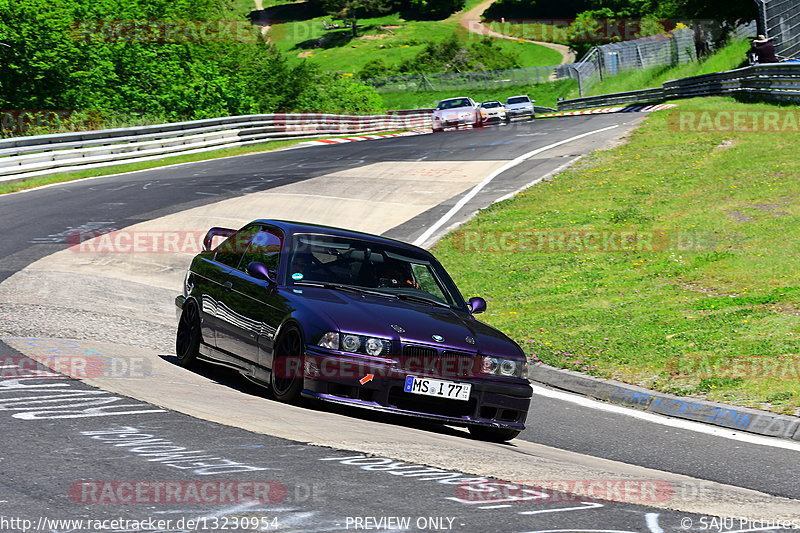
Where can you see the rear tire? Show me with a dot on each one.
(287, 367)
(187, 340)
(493, 434)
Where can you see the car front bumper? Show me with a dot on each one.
(455, 122)
(492, 403)
(519, 112)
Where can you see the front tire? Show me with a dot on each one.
(493, 434)
(187, 340)
(287, 367)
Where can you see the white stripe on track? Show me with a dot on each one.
(511, 164)
(677, 423)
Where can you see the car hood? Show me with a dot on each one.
(519, 105)
(455, 112)
(376, 315)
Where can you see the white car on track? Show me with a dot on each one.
(493, 110)
(454, 112)
(520, 106)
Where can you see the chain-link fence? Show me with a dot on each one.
(612, 59)
(462, 81)
(606, 60)
(780, 21)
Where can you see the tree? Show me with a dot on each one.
(349, 11)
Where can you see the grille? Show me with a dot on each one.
(419, 351)
(426, 360)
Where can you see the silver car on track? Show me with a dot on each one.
(454, 112)
(520, 106)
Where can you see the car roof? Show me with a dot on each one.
(491, 102)
(519, 96)
(456, 98)
(291, 228)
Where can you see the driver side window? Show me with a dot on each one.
(265, 248)
(230, 251)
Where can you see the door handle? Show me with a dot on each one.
(228, 285)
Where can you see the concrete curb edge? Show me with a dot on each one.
(718, 414)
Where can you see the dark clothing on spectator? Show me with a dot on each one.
(765, 52)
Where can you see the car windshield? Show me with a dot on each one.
(490, 105)
(450, 104)
(519, 100)
(352, 263)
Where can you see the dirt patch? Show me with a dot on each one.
(373, 37)
(724, 145)
(765, 207)
(739, 216)
(307, 53)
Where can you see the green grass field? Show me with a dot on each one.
(389, 38)
(705, 302)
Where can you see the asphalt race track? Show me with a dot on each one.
(207, 451)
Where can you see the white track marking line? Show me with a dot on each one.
(511, 164)
(667, 421)
(651, 519)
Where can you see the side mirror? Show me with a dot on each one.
(477, 305)
(260, 271)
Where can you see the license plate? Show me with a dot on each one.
(438, 388)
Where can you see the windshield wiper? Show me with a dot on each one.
(415, 298)
(343, 287)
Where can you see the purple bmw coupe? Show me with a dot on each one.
(351, 318)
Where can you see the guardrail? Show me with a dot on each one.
(27, 157)
(773, 82)
(631, 97)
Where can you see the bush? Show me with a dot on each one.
(451, 55)
(334, 93)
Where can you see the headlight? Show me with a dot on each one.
(499, 366)
(353, 343)
(329, 340)
(374, 346)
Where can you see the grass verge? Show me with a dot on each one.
(700, 297)
(390, 38)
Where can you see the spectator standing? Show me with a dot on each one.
(764, 50)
